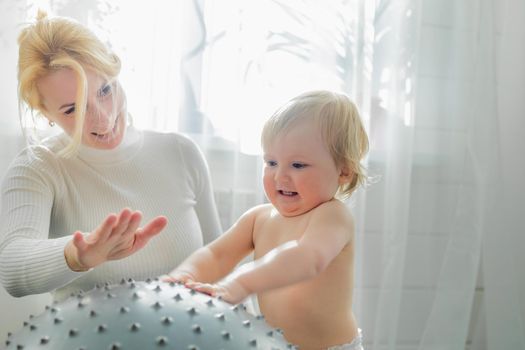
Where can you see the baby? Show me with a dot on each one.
(303, 241)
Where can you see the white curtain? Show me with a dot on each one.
(440, 86)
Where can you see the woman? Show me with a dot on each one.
(66, 222)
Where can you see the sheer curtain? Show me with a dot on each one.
(440, 87)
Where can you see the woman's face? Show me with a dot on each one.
(105, 119)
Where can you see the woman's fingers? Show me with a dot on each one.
(121, 236)
(133, 224)
(137, 238)
(102, 233)
(79, 242)
(126, 239)
(123, 221)
(75, 251)
(117, 237)
(152, 228)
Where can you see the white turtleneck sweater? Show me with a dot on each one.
(45, 199)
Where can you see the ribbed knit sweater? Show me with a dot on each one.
(45, 199)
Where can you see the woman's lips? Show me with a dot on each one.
(108, 134)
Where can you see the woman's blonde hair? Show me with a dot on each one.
(340, 125)
(50, 44)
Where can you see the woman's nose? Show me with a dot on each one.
(98, 116)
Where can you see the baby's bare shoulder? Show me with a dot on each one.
(333, 210)
(261, 210)
(257, 213)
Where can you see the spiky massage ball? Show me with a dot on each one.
(145, 315)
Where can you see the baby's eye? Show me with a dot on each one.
(271, 163)
(298, 165)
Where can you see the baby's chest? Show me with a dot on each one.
(276, 232)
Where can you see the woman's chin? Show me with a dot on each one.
(105, 145)
(106, 141)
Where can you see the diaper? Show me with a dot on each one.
(356, 344)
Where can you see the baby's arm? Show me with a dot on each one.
(329, 231)
(215, 260)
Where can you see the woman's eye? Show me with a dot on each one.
(69, 111)
(298, 165)
(106, 90)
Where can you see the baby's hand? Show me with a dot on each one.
(179, 276)
(231, 292)
(214, 290)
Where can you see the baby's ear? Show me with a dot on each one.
(345, 175)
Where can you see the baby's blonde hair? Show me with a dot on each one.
(340, 125)
(50, 44)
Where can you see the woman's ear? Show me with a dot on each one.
(44, 113)
(345, 175)
(49, 120)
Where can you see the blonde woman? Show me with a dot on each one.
(66, 201)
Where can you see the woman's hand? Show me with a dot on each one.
(117, 237)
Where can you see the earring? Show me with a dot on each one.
(51, 123)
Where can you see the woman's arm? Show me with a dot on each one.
(199, 175)
(31, 262)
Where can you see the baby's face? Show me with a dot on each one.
(299, 171)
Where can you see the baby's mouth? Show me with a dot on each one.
(287, 193)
